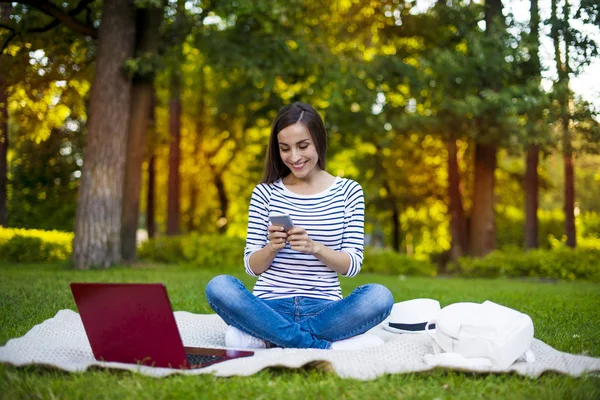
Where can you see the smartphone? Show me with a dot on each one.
(283, 220)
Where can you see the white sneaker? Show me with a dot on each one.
(241, 340)
(359, 342)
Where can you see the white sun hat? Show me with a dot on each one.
(411, 316)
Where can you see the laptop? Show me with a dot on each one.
(134, 323)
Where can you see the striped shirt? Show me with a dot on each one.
(334, 217)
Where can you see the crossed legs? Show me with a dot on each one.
(366, 307)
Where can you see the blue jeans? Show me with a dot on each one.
(299, 322)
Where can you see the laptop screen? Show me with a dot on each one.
(130, 323)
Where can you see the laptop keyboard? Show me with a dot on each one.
(196, 359)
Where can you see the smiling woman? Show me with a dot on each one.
(300, 155)
(298, 135)
(297, 300)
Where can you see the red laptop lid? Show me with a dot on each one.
(130, 323)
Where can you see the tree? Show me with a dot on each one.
(60, 16)
(573, 48)
(564, 98)
(175, 88)
(147, 26)
(458, 220)
(97, 240)
(199, 134)
(5, 10)
(150, 196)
(483, 231)
(3, 151)
(173, 191)
(270, 60)
(448, 75)
(151, 183)
(531, 179)
(45, 178)
(37, 54)
(147, 36)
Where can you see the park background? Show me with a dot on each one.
(458, 118)
(472, 127)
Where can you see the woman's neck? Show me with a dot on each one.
(315, 183)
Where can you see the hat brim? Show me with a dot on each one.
(389, 328)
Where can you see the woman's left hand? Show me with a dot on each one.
(300, 241)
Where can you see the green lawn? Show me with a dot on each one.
(565, 315)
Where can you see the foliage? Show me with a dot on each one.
(148, 3)
(590, 242)
(163, 249)
(206, 252)
(47, 71)
(45, 179)
(510, 222)
(215, 252)
(389, 262)
(31, 245)
(590, 225)
(587, 183)
(561, 263)
(144, 66)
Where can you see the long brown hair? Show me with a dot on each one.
(291, 114)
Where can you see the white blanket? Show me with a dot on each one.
(61, 342)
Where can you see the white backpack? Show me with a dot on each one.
(487, 331)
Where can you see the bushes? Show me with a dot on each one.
(163, 249)
(32, 245)
(211, 252)
(510, 222)
(590, 225)
(223, 252)
(226, 253)
(560, 263)
(215, 252)
(385, 261)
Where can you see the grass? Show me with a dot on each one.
(565, 316)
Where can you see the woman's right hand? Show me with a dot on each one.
(277, 238)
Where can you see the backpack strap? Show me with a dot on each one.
(436, 347)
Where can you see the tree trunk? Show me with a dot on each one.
(483, 230)
(3, 150)
(396, 234)
(493, 10)
(569, 188)
(566, 139)
(191, 213)
(458, 220)
(396, 240)
(174, 185)
(173, 208)
(150, 197)
(197, 151)
(562, 89)
(97, 240)
(223, 201)
(148, 22)
(5, 11)
(531, 183)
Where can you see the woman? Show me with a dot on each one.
(297, 300)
